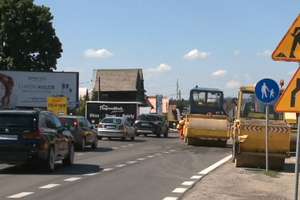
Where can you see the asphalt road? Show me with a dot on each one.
(148, 168)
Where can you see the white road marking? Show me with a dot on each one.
(20, 195)
(158, 154)
(124, 146)
(216, 165)
(179, 190)
(91, 174)
(72, 179)
(141, 159)
(170, 198)
(166, 152)
(121, 165)
(131, 162)
(130, 145)
(172, 150)
(188, 183)
(80, 154)
(196, 177)
(150, 156)
(115, 148)
(49, 186)
(108, 169)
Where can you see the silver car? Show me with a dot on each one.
(116, 127)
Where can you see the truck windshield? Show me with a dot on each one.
(251, 108)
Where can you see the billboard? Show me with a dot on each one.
(97, 110)
(32, 89)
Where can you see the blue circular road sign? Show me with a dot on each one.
(267, 90)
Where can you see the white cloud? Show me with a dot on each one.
(233, 84)
(160, 69)
(236, 52)
(219, 73)
(195, 54)
(265, 53)
(97, 53)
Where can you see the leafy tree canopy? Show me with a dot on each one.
(27, 38)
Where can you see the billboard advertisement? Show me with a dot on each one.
(96, 111)
(32, 89)
(58, 105)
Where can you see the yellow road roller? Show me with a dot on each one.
(248, 133)
(207, 121)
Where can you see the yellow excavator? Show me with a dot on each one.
(207, 122)
(248, 133)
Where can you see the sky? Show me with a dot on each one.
(217, 43)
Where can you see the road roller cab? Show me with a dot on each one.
(248, 133)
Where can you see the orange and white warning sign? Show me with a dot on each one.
(290, 99)
(289, 47)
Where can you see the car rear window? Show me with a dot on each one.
(27, 121)
(68, 122)
(149, 118)
(111, 121)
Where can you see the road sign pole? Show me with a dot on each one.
(297, 159)
(267, 138)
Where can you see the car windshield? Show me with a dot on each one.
(111, 121)
(251, 108)
(149, 118)
(17, 120)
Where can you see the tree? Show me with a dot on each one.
(28, 41)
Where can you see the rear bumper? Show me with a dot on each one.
(143, 131)
(112, 133)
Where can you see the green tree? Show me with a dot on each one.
(28, 41)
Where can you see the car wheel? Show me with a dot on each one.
(50, 162)
(99, 138)
(69, 160)
(145, 135)
(109, 138)
(95, 145)
(132, 138)
(166, 134)
(82, 145)
(123, 138)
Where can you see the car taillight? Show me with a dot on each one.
(121, 127)
(75, 124)
(32, 134)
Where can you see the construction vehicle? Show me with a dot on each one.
(248, 133)
(207, 121)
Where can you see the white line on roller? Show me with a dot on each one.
(72, 179)
(49, 186)
(108, 169)
(20, 195)
(121, 165)
(179, 190)
(170, 198)
(188, 183)
(214, 166)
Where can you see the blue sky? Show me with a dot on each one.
(215, 43)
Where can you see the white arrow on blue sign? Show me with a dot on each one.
(267, 90)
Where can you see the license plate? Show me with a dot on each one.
(145, 124)
(110, 127)
(8, 137)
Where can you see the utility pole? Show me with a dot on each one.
(177, 90)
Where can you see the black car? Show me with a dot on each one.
(34, 137)
(83, 132)
(151, 124)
